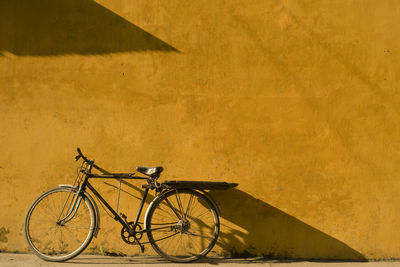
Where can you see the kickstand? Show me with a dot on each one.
(140, 245)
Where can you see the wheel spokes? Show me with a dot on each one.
(51, 239)
(195, 231)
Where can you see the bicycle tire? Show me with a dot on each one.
(51, 241)
(190, 237)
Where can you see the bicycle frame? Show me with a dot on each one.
(121, 218)
(117, 217)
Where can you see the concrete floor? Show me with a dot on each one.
(30, 260)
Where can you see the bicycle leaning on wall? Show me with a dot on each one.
(181, 223)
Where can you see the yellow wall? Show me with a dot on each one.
(297, 101)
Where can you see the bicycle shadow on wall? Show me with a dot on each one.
(268, 231)
(273, 233)
(51, 28)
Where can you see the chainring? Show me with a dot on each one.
(127, 237)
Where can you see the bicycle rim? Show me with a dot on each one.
(182, 225)
(59, 242)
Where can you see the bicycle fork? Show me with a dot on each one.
(73, 208)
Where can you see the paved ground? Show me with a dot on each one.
(29, 260)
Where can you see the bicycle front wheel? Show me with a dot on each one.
(182, 225)
(55, 229)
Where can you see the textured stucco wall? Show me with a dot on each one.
(297, 101)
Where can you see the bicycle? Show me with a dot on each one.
(181, 223)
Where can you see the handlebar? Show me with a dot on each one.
(80, 155)
(90, 162)
(151, 180)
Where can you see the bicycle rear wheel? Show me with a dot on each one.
(50, 233)
(182, 225)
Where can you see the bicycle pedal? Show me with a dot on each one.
(142, 248)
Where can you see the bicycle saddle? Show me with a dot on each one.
(150, 171)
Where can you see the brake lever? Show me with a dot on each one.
(77, 157)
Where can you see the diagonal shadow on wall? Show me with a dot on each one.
(268, 231)
(273, 233)
(51, 28)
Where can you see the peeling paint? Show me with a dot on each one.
(3, 234)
